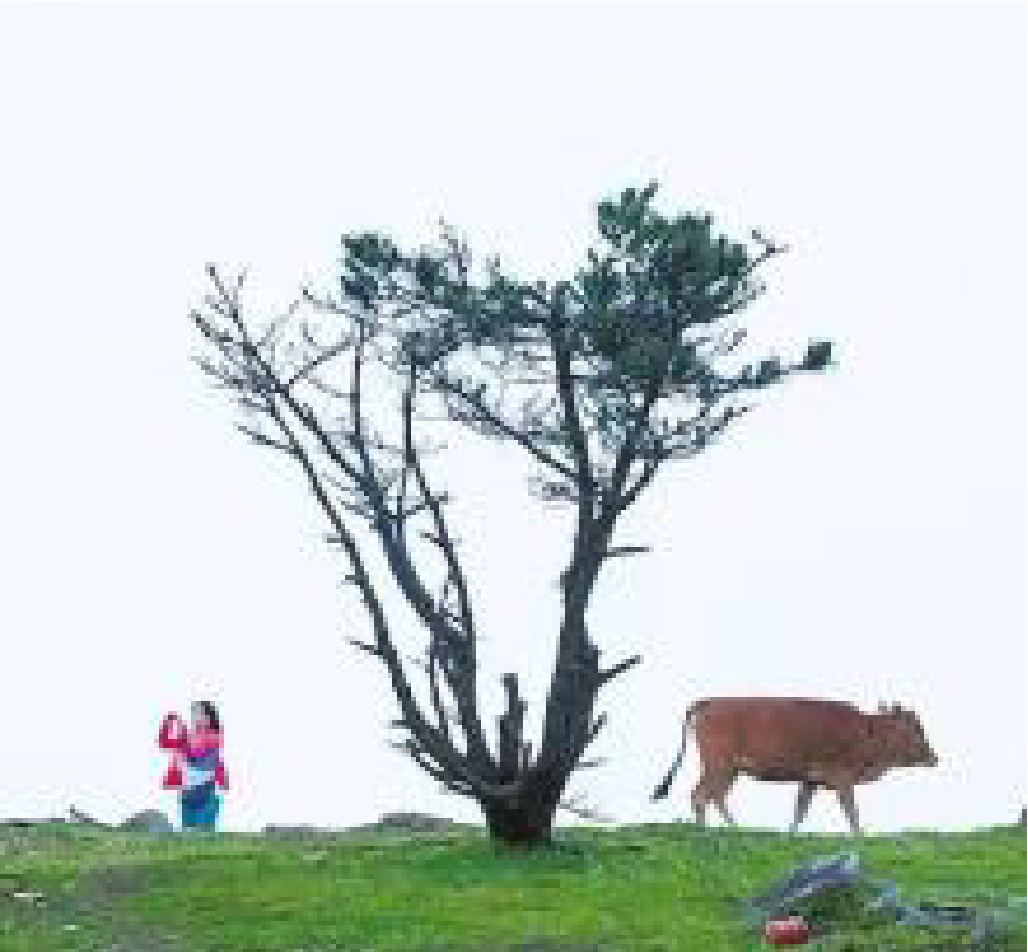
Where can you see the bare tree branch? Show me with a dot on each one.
(428, 737)
(442, 536)
(619, 668)
(572, 418)
(617, 551)
(436, 772)
(263, 440)
(433, 681)
(594, 731)
(364, 646)
(323, 358)
(502, 426)
(584, 813)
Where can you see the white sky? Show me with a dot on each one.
(862, 536)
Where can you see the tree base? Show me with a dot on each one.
(518, 827)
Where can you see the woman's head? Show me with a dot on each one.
(205, 716)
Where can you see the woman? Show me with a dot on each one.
(196, 767)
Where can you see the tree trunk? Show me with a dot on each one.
(520, 826)
(527, 817)
(521, 811)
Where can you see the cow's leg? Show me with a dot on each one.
(849, 807)
(712, 788)
(719, 799)
(803, 798)
(723, 810)
(699, 802)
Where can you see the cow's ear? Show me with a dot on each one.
(896, 709)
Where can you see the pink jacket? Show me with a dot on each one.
(196, 757)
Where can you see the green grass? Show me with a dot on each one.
(668, 887)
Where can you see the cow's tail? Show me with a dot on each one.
(665, 784)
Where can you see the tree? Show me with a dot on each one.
(604, 380)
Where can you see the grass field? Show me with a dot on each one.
(669, 887)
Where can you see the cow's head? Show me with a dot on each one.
(905, 738)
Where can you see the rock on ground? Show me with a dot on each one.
(84, 819)
(148, 821)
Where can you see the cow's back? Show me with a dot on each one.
(780, 739)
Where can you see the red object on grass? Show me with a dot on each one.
(791, 931)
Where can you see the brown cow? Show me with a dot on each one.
(796, 740)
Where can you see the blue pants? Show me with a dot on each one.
(200, 813)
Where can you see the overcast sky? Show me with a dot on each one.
(862, 536)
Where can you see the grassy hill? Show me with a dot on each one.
(669, 887)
